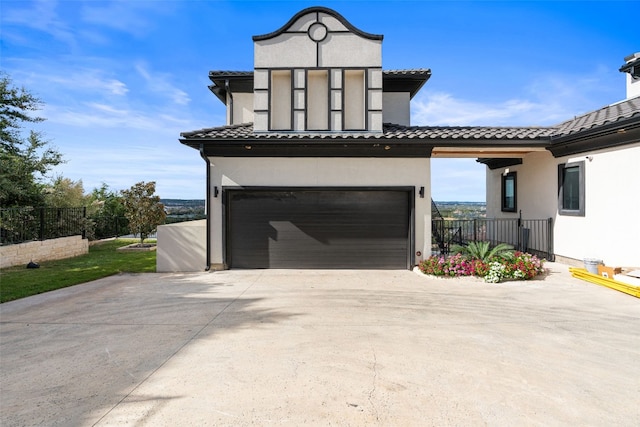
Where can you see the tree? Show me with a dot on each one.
(65, 193)
(143, 209)
(106, 209)
(24, 161)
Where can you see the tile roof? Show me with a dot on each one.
(418, 72)
(222, 73)
(606, 115)
(409, 72)
(390, 131)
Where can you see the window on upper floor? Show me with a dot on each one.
(571, 200)
(509, 192)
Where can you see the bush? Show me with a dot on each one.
(522, 266)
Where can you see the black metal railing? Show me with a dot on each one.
(528, 235)
(109, 226)
(19, 225)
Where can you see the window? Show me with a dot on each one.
(571, 189)
(509, 200)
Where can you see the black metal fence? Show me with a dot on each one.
(105, 227)
(19, 225)
(528, 235)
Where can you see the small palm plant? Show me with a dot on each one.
(483, 251)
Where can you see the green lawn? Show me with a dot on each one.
(102, 260)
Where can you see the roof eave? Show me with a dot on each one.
(616, 134)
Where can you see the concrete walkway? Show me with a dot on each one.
(274, 347)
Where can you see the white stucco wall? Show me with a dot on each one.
(610, 229)
(337, 50)
(323, 172)
(242, 108)
(182, 247)
(633, 86)
(396, 108)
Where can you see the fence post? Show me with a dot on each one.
(475, 230)
(41, 231)
(550, 255)
(84, 222)
(519, 231)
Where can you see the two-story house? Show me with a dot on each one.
(318, 165)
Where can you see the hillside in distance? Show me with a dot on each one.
(182, 209)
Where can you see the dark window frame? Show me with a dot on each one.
(562, 167)
(503, 197)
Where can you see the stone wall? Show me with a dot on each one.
(45, 250)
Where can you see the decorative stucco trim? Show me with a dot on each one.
(318, 9)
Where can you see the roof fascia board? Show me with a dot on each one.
(597, 139)
(498, 163)
(320, 9)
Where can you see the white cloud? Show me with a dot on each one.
(545, 101)
(101, 115)
(159, 83)
(132, 17)
(40, 15)
(89, 81)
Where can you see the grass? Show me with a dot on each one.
(102, 260)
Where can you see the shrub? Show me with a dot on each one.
(483, 251)
(454, 266)
(519, 266)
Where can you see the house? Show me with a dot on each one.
(587, 180)
(318, 165)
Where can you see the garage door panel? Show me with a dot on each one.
(318, 229)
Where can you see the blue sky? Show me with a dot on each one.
(121, 79)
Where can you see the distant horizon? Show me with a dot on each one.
(460, 202)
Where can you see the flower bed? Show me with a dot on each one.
(521, 266)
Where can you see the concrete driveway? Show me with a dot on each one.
(274, 347)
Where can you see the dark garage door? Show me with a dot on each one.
(318, 228)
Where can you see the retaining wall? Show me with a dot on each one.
(45, 250)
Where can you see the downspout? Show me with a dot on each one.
(230, 97)
(207, 207)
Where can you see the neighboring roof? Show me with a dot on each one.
(410, 80)
(632, 65)
(318, 9)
